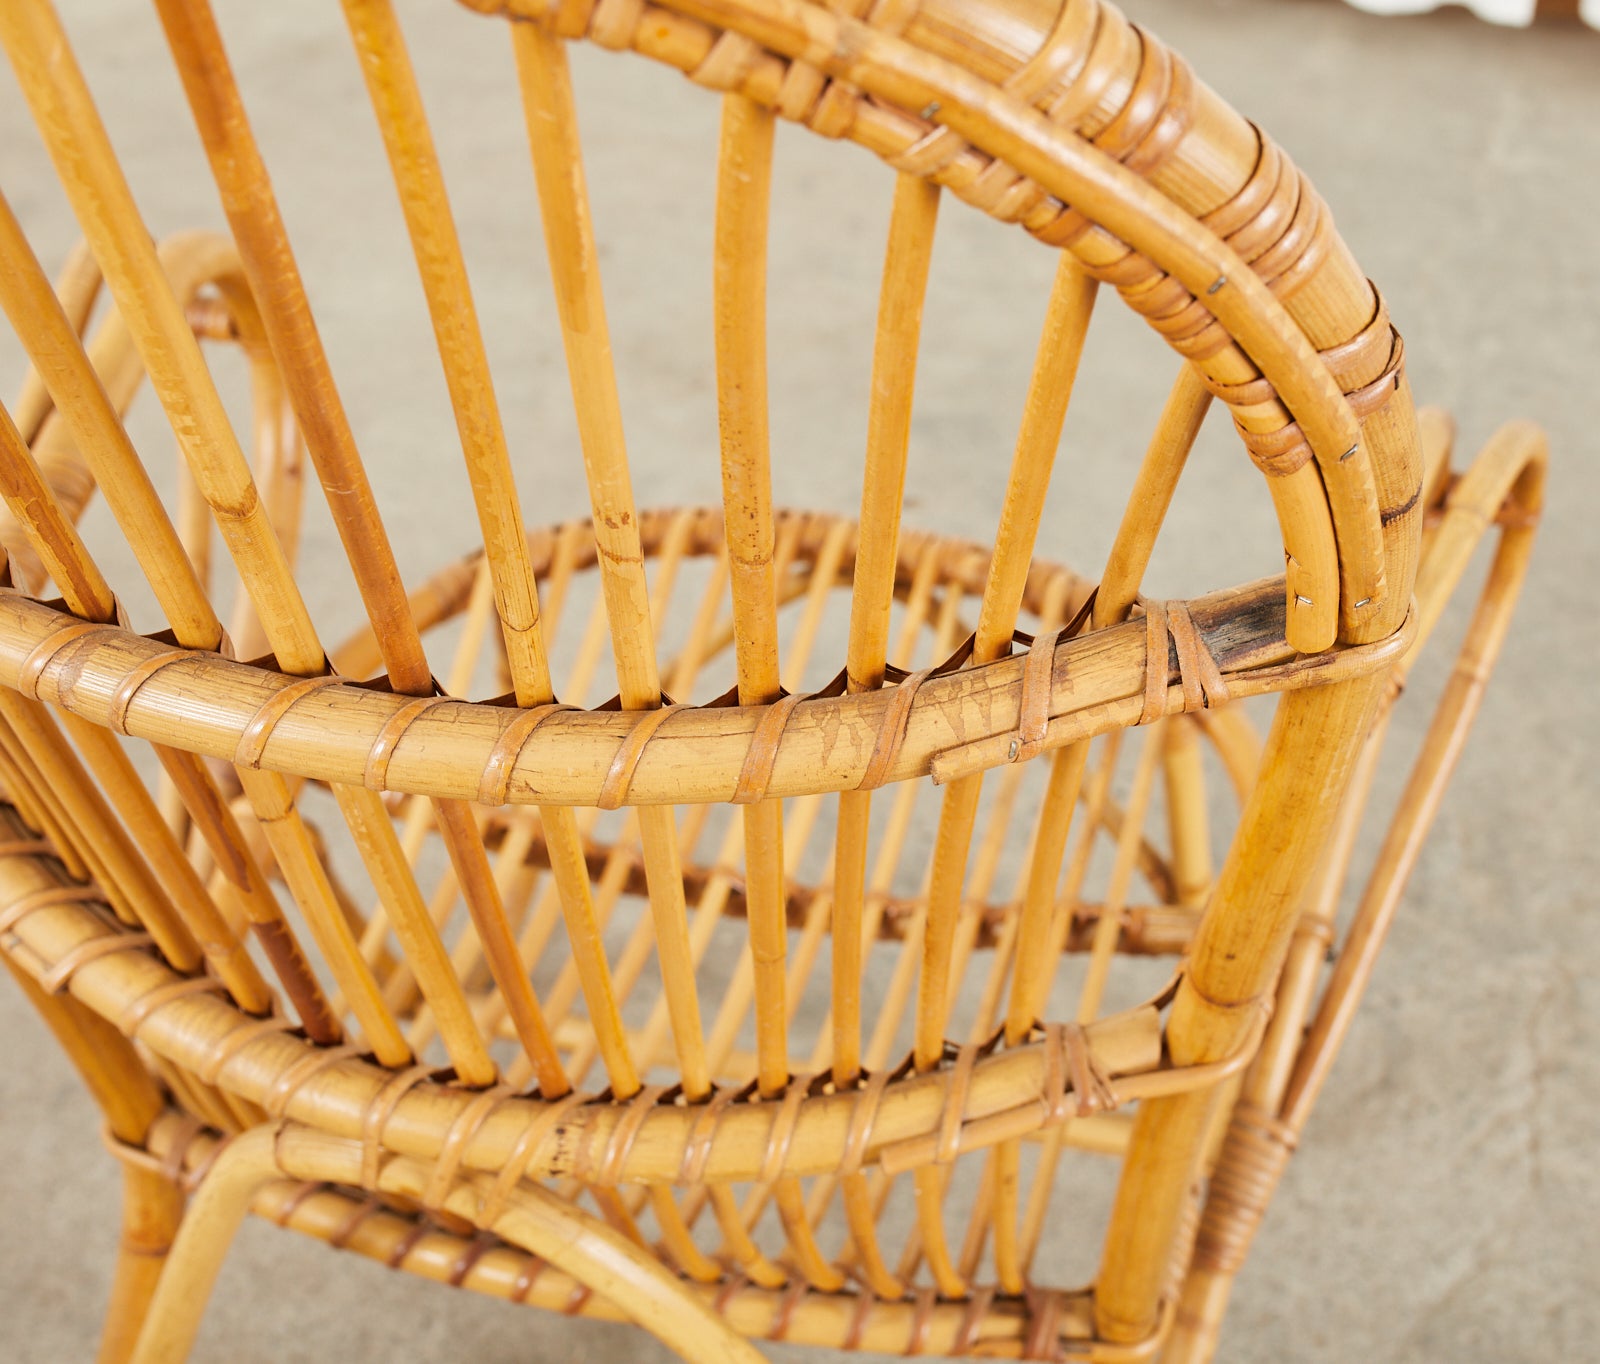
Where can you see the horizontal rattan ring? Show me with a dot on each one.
(815, 537)
(220, 708)
(918, 1118)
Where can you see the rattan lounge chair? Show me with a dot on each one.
(448, 981)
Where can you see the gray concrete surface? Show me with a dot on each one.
(1446, 1205)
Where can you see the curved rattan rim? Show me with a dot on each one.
(208, 705)
(221, 708)
(921, 1118)
(1141, 219)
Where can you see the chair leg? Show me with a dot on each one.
(152, 1209)
(1504, 484)
(1248, 1170)
(207, 1229)
(1199, 1319)
(152, 1205)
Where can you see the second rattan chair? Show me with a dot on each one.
(506, 992)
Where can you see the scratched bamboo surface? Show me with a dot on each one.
(625, 948)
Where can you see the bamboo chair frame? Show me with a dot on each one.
(284, 1019)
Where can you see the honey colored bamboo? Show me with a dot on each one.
(1512, 467)
(171, 356)
(1031, 1225)
(286, 317)
(1230, 968)
(1054, 370)
(1157, 479)
(107, 850)
(1509, 473)
(569, 237)
(610, 880)
(1104, 944)
(397, 101)
(312, 882)
(1136, 214)
(76, 290)
(905, 281)
(132, 1103)
(223, 950)
(1154, 485)
(743, 192)
(67, 812)
(700, 750)
(55, 539)
(273, 807)
(512, 840)
(215, 823)
(56, 91)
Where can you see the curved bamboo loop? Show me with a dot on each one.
(1119, 202)
(595, 1255)
(369, 1228)
(1508, 473)
(244, 1166)
(128, 917)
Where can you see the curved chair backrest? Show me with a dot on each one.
(1064, 119)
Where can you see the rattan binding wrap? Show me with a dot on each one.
(458, 1071)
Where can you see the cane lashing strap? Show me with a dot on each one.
(376, 775)
(253, 741)
(619, 777)
(495, 785)
(1200, 680)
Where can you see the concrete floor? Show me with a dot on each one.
(1446, 1203)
